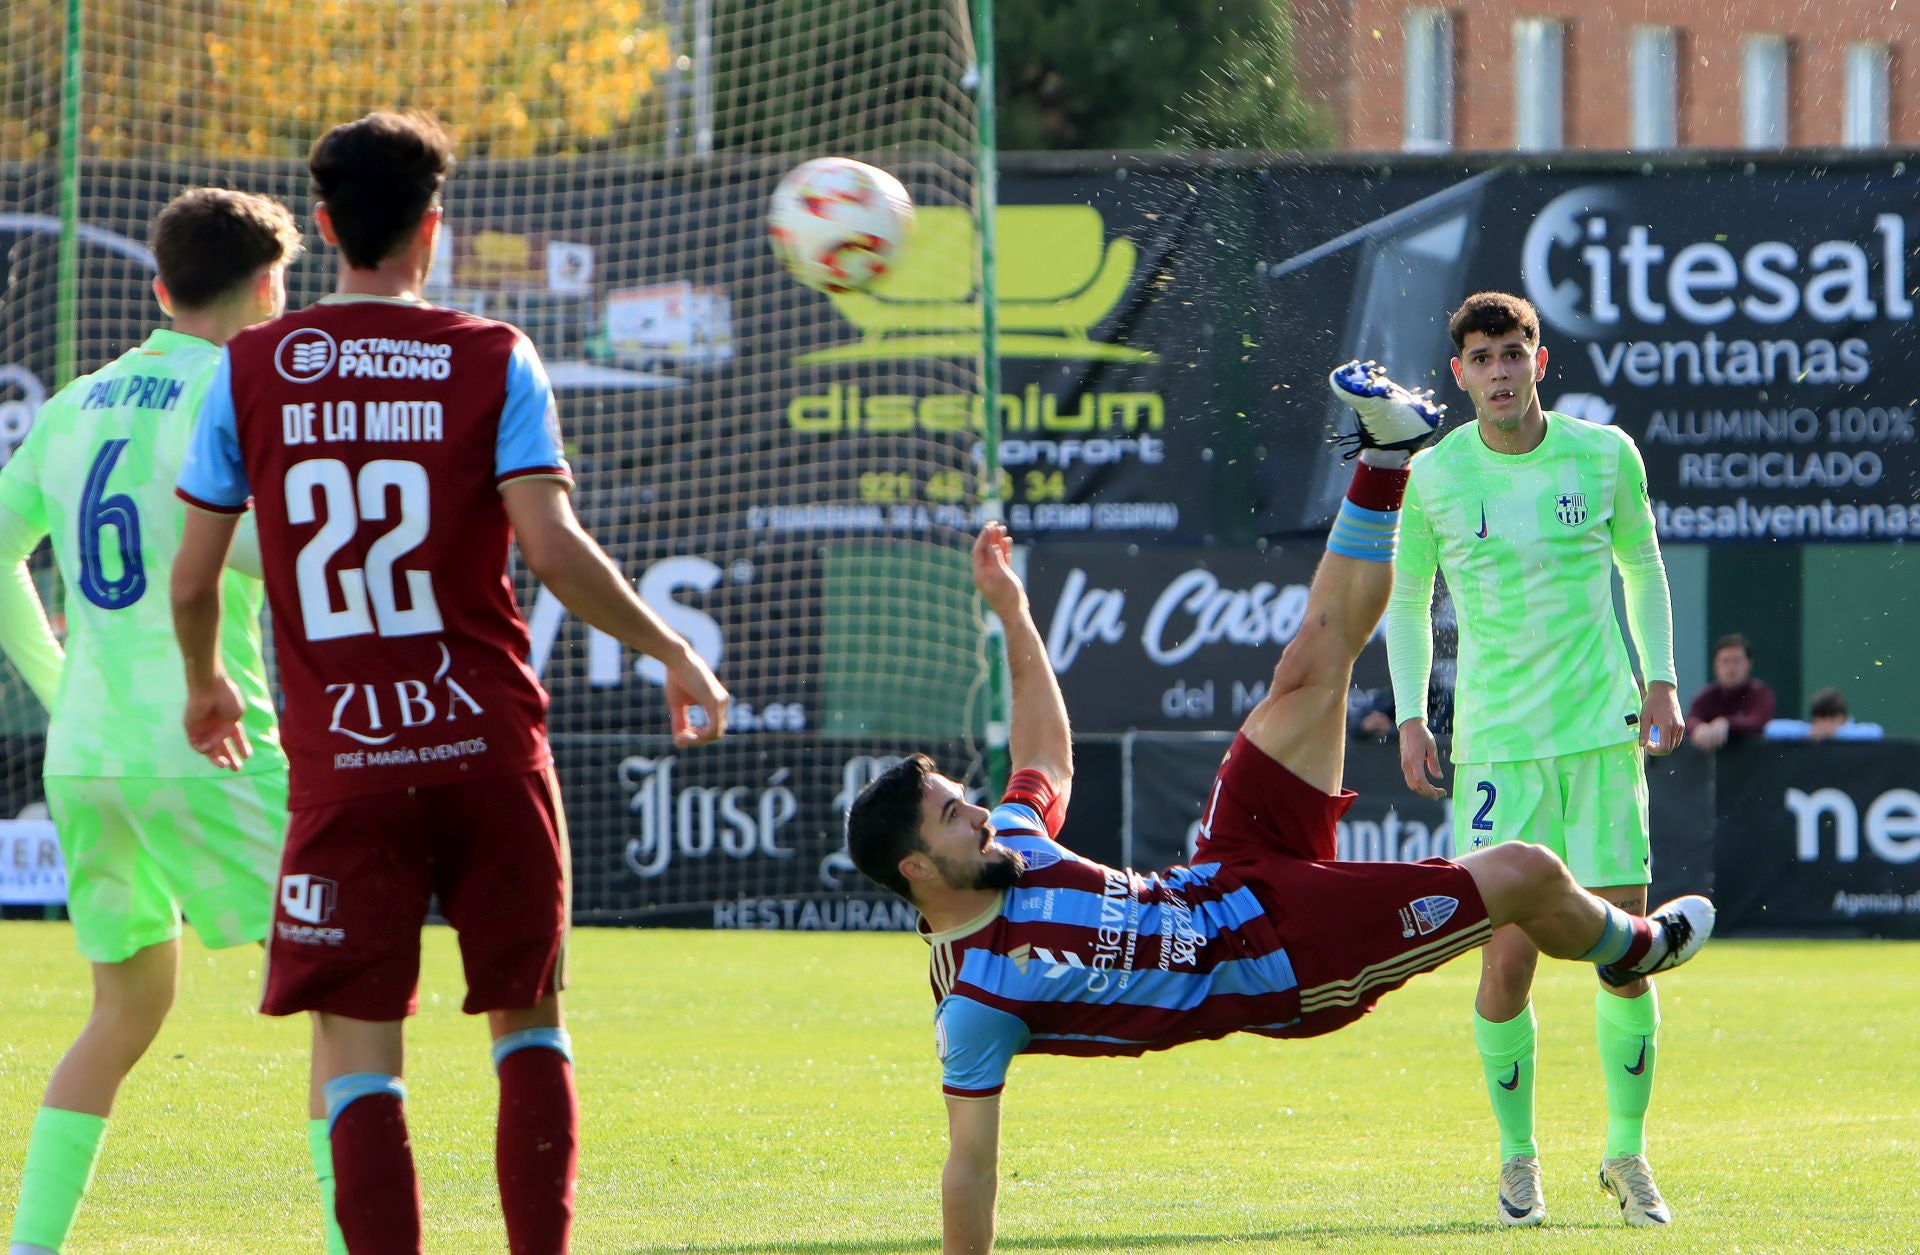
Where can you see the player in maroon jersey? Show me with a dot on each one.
(391, 451)
(1035, 949)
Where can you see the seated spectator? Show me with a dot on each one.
(1828, 721)
(1735, 705)
(1370, 714)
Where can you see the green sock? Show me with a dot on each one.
(1507, 1056)
(320, 1150)
(1629, 1033)
(61, 1152)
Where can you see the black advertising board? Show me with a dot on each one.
(705, 838)
(1819, 839)
(1173, 639)
(1751, 325)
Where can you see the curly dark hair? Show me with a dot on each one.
(1493, 314)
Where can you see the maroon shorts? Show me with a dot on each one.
(357, 878)
(1353, 931)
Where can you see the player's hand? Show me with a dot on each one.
(1420, 759)
(993, 571)
(1661, 724)
(691, 686)
(212, 723)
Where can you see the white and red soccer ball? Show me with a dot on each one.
(838, 224)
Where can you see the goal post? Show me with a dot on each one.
(792, 479)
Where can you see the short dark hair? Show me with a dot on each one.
(1829, 703)
(1732, 640)
(883, 824)
(377, 178)
(209, 241)
(1493, 314)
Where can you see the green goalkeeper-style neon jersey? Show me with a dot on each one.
(1527, 544)
(96, 475)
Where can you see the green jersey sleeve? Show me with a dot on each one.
(1410, 609)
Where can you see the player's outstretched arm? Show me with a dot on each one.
(971, 1180)
(576, 570)
(212, 716)
(1041, 738)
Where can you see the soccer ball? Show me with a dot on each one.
(838, 224)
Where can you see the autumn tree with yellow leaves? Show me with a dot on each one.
(237, 79)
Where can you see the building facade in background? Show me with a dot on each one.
(1644, 75)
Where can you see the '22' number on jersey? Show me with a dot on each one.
(368, 596)
(98, 512)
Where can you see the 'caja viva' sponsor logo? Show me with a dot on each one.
(1597, 260)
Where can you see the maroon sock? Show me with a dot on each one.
(1377, 487)
(1640, 943)
(537, 1150)
(376, 1195)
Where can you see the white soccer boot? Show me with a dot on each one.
(1522, 1204)
(1681, 927)
(1391, 416)
(1630, 1180)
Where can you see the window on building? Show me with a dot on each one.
(1763, 92)
(1865, 124)
(1539, 83)
(1656, 87)
(1429, 79)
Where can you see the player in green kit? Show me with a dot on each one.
(1528, 514)
(148, 827)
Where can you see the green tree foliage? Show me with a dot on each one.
(1098, 74)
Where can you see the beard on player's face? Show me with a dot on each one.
(995, 867)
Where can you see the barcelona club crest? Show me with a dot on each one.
(1571, 508)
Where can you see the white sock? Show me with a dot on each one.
(1386, 459)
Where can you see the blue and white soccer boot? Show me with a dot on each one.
(1392, 417)
(1522, 1203)
(1630, 1181)
(1681, 927)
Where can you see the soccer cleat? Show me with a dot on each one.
(1681, 927)
(1522, 1205)
(1391, 416)
(1630, 1180)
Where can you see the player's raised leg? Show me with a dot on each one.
(1528, 886)
(1301, 723)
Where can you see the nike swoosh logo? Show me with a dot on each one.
(1514, 1083)
(1482, 533)
(1641, 1064)
(1515, 1212)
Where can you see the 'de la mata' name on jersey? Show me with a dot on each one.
(372, 438)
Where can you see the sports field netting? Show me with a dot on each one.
(790, 479)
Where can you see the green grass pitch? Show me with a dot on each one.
(779, 1092)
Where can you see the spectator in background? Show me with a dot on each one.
(1370, 714)
(1735, 705)
(1828, 721)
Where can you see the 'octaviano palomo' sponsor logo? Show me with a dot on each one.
(1603, 266)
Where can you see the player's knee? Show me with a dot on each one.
(1536, 871)
(133, 1015)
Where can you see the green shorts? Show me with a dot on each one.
(1589, 808)
(142, 850)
